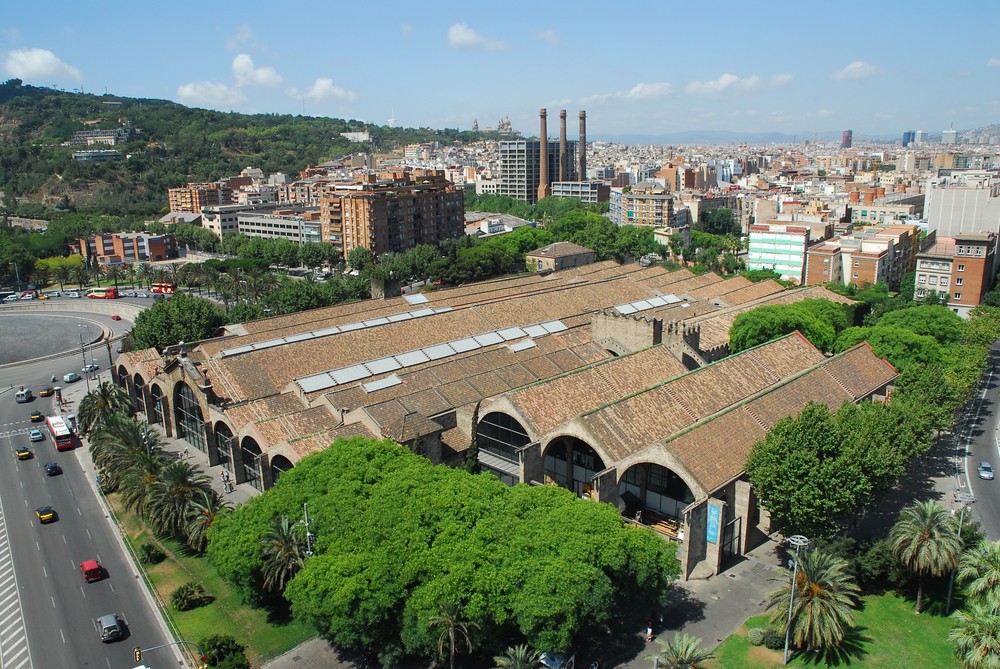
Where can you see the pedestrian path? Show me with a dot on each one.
(13, 636)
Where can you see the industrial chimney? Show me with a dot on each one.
(543, 169)
(562, 145)
(582, 148)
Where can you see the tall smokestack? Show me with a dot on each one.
(582, 148)
(562, 145)
(543, 170)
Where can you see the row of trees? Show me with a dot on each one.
(173, 496)
(403, 547)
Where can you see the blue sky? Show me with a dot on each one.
(878, 67)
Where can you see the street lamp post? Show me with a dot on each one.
(798, 542)
(307, 522)
(83, 352)
(965, 499)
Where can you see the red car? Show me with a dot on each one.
(116, 317)
(91, 571)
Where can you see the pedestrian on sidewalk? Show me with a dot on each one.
(649, 631)
(185, 452)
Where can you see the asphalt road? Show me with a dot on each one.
(56, 626)
(981, 443)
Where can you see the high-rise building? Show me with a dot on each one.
(524, 175)
(949, 137)
(961, 267)
(920, 137)
(194, 197)
(909, 137)
(846, 139)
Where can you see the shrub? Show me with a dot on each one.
(756, 635)
(224, 652)
(774, 640)
(150, 553)
(189, 596)
(235, 661)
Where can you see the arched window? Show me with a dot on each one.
(190, 423)
(155, 411)
(224, 441)
(658, 489)
(138, 398)
(501, 435)
(573, 464)
(251, 462)
(279, 465)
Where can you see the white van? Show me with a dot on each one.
(23, 395)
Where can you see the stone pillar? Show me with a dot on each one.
(531, 464)
(211, 444)
(264, 463)
(741, 508)
(563, 157)
(544, 190)
(715, 524)
(239, 471)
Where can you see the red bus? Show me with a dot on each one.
(164, 287)
(103, 293)
(61, 435)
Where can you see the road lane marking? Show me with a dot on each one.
(62, 635)
(14, 651)
(52, 597)
(88, 535)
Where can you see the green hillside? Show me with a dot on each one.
(175, 144)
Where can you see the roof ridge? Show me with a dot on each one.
(836, 379)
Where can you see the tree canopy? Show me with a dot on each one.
(818, 320)
(182, 317)
(398, 537)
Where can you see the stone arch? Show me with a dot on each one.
(188, 417)
(138, 392)
(156, 409)
(122, 379)
(652, 487)
(279, 465)
(572, 463)
(226, 445)
(500, 436)
(253, 463)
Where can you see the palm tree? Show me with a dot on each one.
(227, 288)
(41, 277)
(454, 629)
(976, 635)
(114, 274)
(925, 540)
(136, 485)
(144, 272)
(825, 596)
(131, 273)
(683, 652)
(173, 494)
(979, 572)
(80, 275)
(283, 554)
(204, 509)
(518, 657)
(100, 404)
(97, 272)
(62, 276)
(127, 451)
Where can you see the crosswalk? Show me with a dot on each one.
(13, 639)
(15, 433)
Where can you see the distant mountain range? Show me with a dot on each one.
(719, 137)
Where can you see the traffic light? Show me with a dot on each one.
(138, 653)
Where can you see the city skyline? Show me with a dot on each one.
(650, 70)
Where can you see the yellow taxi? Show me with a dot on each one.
(22, 452)
(46, 514)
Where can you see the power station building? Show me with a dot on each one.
(530, 167)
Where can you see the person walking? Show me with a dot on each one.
(185, 452)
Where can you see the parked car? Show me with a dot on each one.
(27, 296)
(143, 295)
(53, 293)
(111, 627)
(73, 294)
(985, 470)
(128, 293)
(71, 377)
(92, 367)
(10, 298)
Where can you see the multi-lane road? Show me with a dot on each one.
(47, 611)
(979, 441)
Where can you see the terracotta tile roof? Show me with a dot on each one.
(148, 361)
(558, 250)
(720, 288)
(315, 443)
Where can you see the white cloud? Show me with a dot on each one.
(859, 69)
(461, 36)
(824, 112)
(210, 94)
(993, 62)
(244, 35)
(406, 28)
(324, 89)
(643, 91)
(781, 80)
(549, 36)
(247, 74)
(725, 82)
(38, 63)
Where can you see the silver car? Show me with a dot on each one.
(985, 470)
(111, 627)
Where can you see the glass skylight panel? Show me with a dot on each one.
(488, 339)
(395, 318)
(291, 339)
(236, 351)
(535, 331)
(261, 345)
(642, 305)
(420, 313)
(657, 301)
(387, 382)
(555, 326)
(383, 365)
(522, 345)
(412, 358)
(463, 345)
(311, 384)
(441, 310)
(438, 352)
(511, 333)
(671, 298)
(376, 321)
(625, 309)
(348, 374)
(352, 326)
(417, 298)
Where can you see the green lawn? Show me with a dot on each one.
(888, 635)
(263, 638)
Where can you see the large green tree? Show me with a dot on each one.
(182, 317)
(818, 320)
(97, 406)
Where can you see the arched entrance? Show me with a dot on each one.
(187, 415)
(279, 465)
(500, 437)
(139, 394)
(121, 377)
(154, 411)
(225, 443)
(657, 489)
(251, 455)
(573, 464)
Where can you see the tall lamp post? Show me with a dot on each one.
(307, 522)
(83, 352)
(965, 499)
(798, 542)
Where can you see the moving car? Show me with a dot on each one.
(37, 417)
(91, 571)
(73, 294)
(71, 377)
(46, 514)
(116, 317)
(22, 452)
(52, 469)
(47, 391)
(141, 295)
(110, 627)
(43, 296)
(36, 435)
(92, 367)
(10, 298)
(985, 470)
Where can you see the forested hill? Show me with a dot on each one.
(175, 144)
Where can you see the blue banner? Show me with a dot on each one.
(714, 520)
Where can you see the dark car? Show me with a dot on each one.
(46, 514)
(110, 627)
(37, 417)
(52, 469)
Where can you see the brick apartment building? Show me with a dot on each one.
(127, 248)
(194, 197)
(393, 212)
(962, 266)
(868, 256)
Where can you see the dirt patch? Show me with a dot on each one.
(765, 656)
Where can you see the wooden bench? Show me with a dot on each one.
(665, 525)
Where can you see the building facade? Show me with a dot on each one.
(195, 197)
(963, 267)
(865, 257)
(558, 256)
(127, 248)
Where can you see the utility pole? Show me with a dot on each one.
(83, 353)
